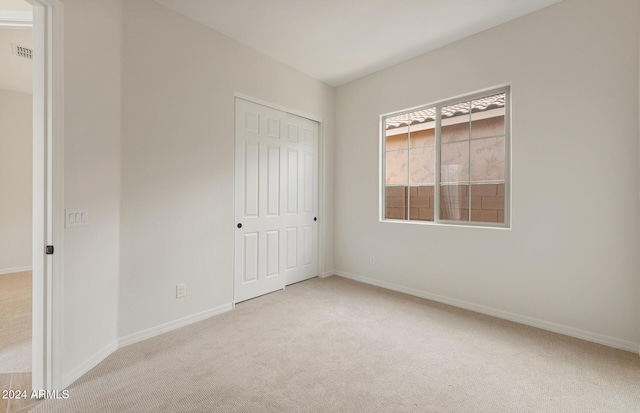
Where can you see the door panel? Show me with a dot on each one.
(292, 248)
(273, 128)
(250, 250)
(307, 251)
(276, 198)
(273, 253)
(292, 181)
(302, 190)
(251, 155)
(273, 181)
(293, 134)
(308, 183)
(258, 258)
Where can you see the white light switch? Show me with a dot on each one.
(76, 218)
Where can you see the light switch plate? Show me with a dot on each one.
(76, 218)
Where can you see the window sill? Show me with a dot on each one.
(446, 224)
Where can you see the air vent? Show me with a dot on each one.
(22, 51)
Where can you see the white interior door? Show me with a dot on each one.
(275, 199)
(301, 194)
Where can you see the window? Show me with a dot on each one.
(448, 162)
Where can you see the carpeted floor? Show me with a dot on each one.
(335, 345)
(15, 322)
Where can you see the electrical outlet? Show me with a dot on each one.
(181, 290)
(372, 260)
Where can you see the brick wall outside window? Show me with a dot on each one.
(487, 203)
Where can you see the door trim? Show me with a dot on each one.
(278, 107)
(321, 207)
(48, 193)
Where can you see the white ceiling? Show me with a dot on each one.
(15, 71)
(337, 41)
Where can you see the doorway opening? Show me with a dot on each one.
(47, 172)
(16, 191)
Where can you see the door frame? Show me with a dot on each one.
(321, 207)
(48, 194)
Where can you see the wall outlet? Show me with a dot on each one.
(181, 290)
(372, 260)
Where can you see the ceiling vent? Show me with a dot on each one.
(22, 51)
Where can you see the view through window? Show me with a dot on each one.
(449, 162)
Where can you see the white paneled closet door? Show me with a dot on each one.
(301, 194)
(276, 198)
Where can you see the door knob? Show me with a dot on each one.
(315, 218)
(239, 225)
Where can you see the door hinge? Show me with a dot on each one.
(49, 250)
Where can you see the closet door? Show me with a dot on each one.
(275, 199)
(301, 194)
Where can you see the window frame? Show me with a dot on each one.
(438, 105)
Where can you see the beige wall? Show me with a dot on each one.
(570, 261)
(16, 142)
(177, 160)
(148, 151)
(21, 5)
(92, 59)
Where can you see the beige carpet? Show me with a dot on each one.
(15, 322)
(335, 345)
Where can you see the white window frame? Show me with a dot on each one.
(437, 167)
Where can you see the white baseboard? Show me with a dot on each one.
(16, 269)
(326, 274)
(88, 364)
(518, 318)
(172, 325)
